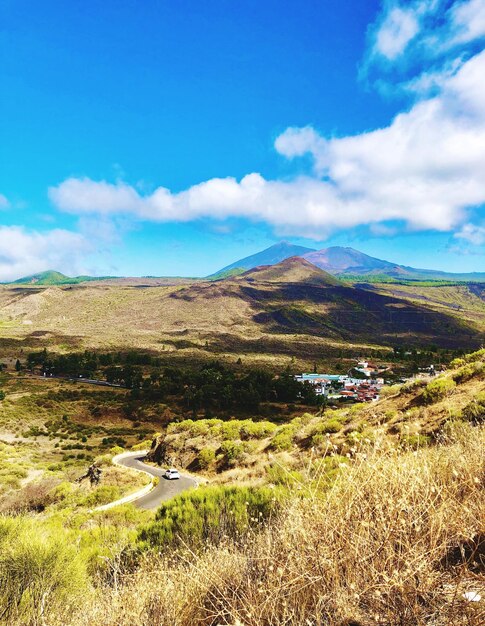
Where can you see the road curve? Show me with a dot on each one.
(165, 489)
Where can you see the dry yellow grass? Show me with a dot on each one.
(377, 548)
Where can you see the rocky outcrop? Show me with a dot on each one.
(159, 452)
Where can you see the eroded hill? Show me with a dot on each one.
(292, 308)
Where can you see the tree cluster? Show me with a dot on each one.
(209, 386)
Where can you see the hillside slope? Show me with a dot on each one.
(51, 277)
(366, 520)
(292, 270)
(370, 514)
(408, 416)
(289, 309)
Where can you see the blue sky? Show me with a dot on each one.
(171, 138)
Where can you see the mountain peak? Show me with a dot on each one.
(270, 256)
(292, 270)
(337, 259)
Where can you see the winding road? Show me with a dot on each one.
(150, 497)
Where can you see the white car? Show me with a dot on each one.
(172, 474)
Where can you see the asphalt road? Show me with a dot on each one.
(165, 489)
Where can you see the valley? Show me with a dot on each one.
(267, 474)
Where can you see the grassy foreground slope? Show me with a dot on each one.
(371, 515)
(382, 546)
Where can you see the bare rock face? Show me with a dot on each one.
(166, 452)
(159, 452)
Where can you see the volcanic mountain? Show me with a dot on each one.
(338, 260)
(341, 261)
(292, 270)
(270, 256)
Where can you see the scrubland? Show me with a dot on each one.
(270, 316)
(369, 514)
(394, 540)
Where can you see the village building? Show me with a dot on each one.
(343, 387)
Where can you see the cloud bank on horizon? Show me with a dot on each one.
(422, 172)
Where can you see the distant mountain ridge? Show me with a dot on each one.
(338, 260)
(51, 277)
(270, 256)
(343, 262)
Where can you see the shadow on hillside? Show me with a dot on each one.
(356, 314)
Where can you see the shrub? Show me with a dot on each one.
(208, 515)
(437, 390)
(280, 475)
(199, 428)
(456, 363)
(63, 491)
(40, 573)
(475, 410)
(319, 441)
(329, 426)
(389, 390)
(143, 445)
(324, 471)
(454, 413)
(412, 386)
(35, 496)
(231, 430)
(232, 451)
(101, 495)
(468, 371)
(178, 427)
(414, 441)
(283, 439)
(206, 458)
(257, 430)
(479, 355)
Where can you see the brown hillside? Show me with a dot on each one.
(291, 309)
(292, 270)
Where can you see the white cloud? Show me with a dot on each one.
(25, 252)
(473, 234)
(298, 141)
(468, 21)
(424, 29)
(398, 28)
(424, 170)
(4, 202)
(86, 196)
